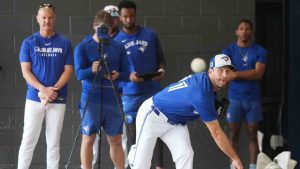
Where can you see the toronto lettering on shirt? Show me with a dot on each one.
(48, 52)
(137, 42)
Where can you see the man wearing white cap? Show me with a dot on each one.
(165, 116)
(114, 12)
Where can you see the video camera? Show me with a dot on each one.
(103, 32)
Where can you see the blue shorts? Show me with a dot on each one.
(111, 119)
(238, 111)
(132, 103)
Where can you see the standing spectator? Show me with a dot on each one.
(145, 56)
(244, 94)
(102, 108)
(47, 64)
(114, 13)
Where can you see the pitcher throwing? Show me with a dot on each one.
(166, 113)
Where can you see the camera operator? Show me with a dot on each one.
(102, 108)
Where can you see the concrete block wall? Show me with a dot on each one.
(186, 28)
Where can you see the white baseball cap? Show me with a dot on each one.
(112, 10)
(221, 60)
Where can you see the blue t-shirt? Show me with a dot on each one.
(191, 97)
(245, 59)
(48, 57)
(141, 49)
(86, 52)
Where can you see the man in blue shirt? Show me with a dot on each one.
(244, 93)
(145, 56)
(165, 116)
(113, 31)
(47, 64)
(102, 108)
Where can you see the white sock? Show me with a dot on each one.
(252, 166)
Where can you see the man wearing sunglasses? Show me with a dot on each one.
(47, 64)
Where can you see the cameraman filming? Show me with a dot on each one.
(102, 109)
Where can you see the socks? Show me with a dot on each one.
(252, 166)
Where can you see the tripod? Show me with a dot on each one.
(104, 65)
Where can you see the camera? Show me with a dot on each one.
(102, 32)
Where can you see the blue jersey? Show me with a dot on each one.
(48, 57)
(188, 99)
(142, 52)
(245, 59)
(86, 52)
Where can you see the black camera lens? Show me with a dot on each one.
(104, 30)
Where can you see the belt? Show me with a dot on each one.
(157, 112)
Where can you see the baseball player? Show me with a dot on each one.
(102, 110)
(165, 116)
(145, 56)
(244, 93)
(46, 59)
(113, 31)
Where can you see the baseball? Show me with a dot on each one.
(198, 65)
(41, 95)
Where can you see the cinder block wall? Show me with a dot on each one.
(186, 28)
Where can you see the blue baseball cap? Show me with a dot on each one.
(221, 60)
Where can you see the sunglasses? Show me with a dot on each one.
(47, 5)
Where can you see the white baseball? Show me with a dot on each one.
(198, 65)
(41, 95)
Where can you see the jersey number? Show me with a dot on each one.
(178, 86)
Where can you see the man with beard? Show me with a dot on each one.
(145, 56)
(114, 13)
(244, 94)
(165, 116)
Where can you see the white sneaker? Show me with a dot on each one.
(131, 155)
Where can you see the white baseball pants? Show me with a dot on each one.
(150, 126)
(34, 115)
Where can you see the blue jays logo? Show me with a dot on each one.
(113, 10)
(86, 129)
(211, 64)
(142, 49)
(225, 58)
